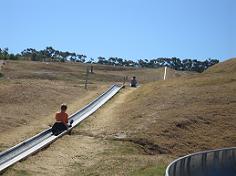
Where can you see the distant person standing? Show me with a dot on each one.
(133, 82)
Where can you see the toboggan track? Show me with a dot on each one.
(43, 139)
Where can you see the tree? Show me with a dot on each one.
(101, 60)
(4, 53)
(112, 61)
(211, 62)
(176, 63)
(32, 54)
(187, 64)
(49, 52)
(90, 61)
(142, 63)
(83, 58)
(72, 57)
(120, 61)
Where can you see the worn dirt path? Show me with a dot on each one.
(105, 122)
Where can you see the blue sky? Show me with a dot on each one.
(131, 29)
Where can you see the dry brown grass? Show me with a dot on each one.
(30, 93)
(228, 66)
(181, 115)
(139, 129)
(76, 72)
(166, 119)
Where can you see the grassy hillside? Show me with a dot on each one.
(140, 130)
(228, 66)
(31, 92)
(164, 120)
(76, 72)
(184, 115)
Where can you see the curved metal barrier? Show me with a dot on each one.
(43, 139)
(221, 162)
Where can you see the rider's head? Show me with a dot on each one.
(63, 107)
(134, 77)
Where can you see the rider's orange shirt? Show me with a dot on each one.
(62, 117)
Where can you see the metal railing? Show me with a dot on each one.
(220, 162)
(43, 139)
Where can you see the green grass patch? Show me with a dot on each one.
(1, 75)
(150, 171)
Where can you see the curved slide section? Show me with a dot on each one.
(221, 162)
(43, 139)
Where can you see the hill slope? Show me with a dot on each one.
(30, 92)
(185, 115)
(141, 130)
(228, 66)
(164, 120)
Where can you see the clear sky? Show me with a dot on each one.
(131, 29)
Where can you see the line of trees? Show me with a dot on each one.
(49, 54)
(178, 64)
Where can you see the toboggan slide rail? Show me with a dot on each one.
(43, 139)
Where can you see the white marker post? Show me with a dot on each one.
(165, 73)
